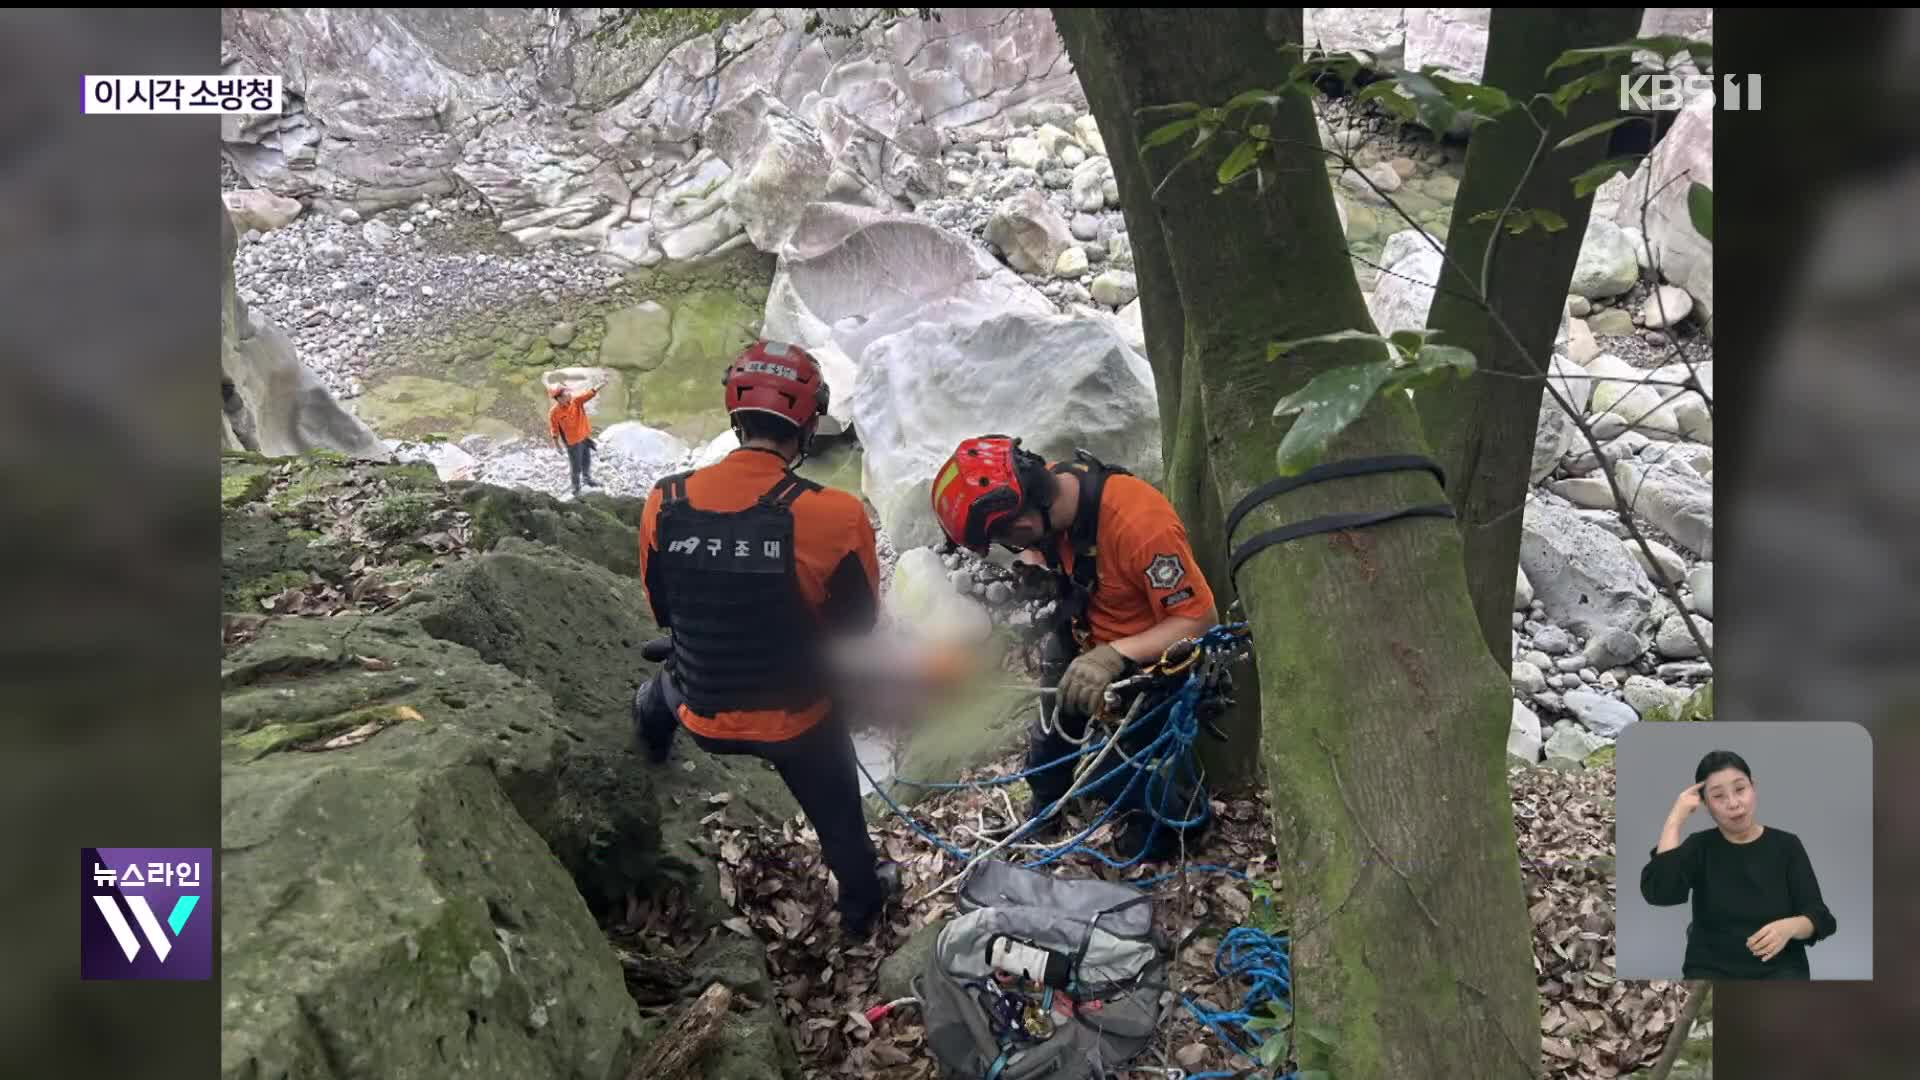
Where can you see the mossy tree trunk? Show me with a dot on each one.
(1384, 717)
(1235, 762)
(1482, 430)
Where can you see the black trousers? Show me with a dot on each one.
(819, 768)
(580, 463)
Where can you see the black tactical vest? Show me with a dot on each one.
(743, 635)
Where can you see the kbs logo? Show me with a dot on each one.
(1671, 93)
(125, 891)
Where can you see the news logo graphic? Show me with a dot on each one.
(146, 913)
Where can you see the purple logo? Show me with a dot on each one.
(146, 913)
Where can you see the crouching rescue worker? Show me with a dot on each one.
(752, 570)
(1127, 586)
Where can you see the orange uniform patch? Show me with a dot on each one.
(1146, 572)
(569, 421)
(835, 561)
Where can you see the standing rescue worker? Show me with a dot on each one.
(1128, 587)
(753, 570)
(572, 432)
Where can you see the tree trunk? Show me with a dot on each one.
(1183, 431)
(1482, 430)
(1386, 719)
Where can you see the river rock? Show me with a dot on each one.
(1675, 643)
(1677, 500)
(1666, 306)
(1030, 233)
(1606, 265)
(1581, 574)
(1523, 734)
(1602, 715)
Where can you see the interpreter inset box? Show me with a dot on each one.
(1744, 851)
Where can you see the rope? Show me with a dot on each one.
(1261, 959)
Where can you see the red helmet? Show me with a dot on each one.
(987, 482)
(779, 378)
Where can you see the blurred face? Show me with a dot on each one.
(1021, 531)
(1729, 797)
(565, 396)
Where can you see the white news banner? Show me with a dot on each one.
(191, 95)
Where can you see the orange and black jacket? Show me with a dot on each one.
(834, 568)
(1145, 569)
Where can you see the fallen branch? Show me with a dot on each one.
(1677, 1040)
(688, 1038)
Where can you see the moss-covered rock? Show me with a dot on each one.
(243, 484)
(637, 338)
(596, 528)
(682, 393)
(260, 557)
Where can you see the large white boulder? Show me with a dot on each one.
(1381, 33)
(851, 275)
(922, 597)
(1452, 39)
(779, 165)
(647, 445)
(1682, 158)
(1055, 381)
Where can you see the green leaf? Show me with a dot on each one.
(1590, 131)
(1431, 102)
(1700, 209)
(1564, 97)
(1272, 1053)
(1434, 365)
(1318, 1034)
(1409, 342)
(1549, 220)
(1588, 182)
(1166, 134)
(1186, 107)
(1382, 89)
(1667, 46)
(1488, 100)
(1327, 405)
(1259, 131)
(1252, 97)
(1280, 348)
(1239, 161)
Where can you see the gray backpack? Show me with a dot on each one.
(1106, 957)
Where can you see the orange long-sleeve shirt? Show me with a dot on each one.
(569, 421)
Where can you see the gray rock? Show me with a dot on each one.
(1679, 671)
(1581, 574)
(1586, 492)
(1675, 643)
(1606, 265)
(1675, 498)
(1115, 288)
(1538, 659)
(1528, 679)
(999, 593)
(1570, 746)
(1523, 734)
(1602, 715)
(1522, 592)
(1611, 647)
(1670, 565)
(561, 334)
(1579, 306)
(1647, 695)
(1553, 640)
(1084, 227)
(1570, 665)
(1701, 582)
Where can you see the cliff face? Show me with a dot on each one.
(604, 141)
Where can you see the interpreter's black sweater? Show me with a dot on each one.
(1736, 890)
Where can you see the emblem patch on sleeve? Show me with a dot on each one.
(1166, 571)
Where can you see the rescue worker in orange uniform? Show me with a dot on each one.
(754, 570)
(572, 432)
(1127, 587)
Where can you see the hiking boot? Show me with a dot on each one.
(888, 872)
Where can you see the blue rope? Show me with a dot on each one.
(1261, 959)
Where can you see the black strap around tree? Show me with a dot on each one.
(1332, 522)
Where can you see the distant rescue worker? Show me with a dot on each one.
(1127, 587)
(572, 432)
(755, 571)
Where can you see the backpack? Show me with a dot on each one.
(1105, 956)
